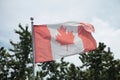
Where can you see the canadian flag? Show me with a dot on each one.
(55, 41)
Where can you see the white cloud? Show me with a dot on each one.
(106, 33)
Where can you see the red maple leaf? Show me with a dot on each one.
(65, 37)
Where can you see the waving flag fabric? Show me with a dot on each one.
(55, 41)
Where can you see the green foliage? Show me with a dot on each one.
(4, 67)
(100, 64)
(21, 62)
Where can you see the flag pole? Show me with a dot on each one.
(32, 23)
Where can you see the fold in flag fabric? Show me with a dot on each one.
(55, 41)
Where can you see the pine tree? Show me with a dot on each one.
(100, 64)
(4, 66)
(21, 63)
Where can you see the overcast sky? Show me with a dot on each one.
(103, 14)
